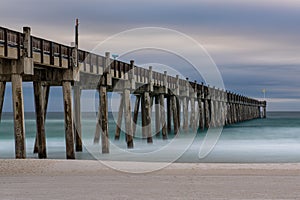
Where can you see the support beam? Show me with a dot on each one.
(46, 91)
(136, 113)
(163, 116)
(120, 116)
(40, 121)
(192, 116)
(200, 115)
(212, 113)
(178, 108)
(143, 110)
(147, 117)
(18, 108)
(128, 118)
(206, 113)
(70, 153)
(157, 116)
(264, 109)
(169, 115)
(2, 94)
(78, 132)
(175, 115)
(97, 131)
(103, 120)
(185, 114)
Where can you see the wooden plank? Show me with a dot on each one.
(19, 45)
(5, 43)
(40, 121)
(18, 108)
(42, 51)
(120, 116)
(135, 114)
(60, 56)
(128, 118)
(51, 54)
(69, 133)
(2, 94)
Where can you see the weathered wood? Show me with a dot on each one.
(147, 117)
(128, 119)
(77, 130)
(103, 120)
(144, 123)
(40, 121)
(192, 116)
(212, 113)
(206, 113)
(163, 117)
(169, 115)
(2, 94)
(135, 114)
(218, 114)
(46, 91)
(200, 115)
(69, 132)
(120, 116)
(178, 108)
(175, 115)
(185, 114)
(18, 108)
(98, 128)
(157, 116)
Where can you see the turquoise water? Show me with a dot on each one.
(275, 139)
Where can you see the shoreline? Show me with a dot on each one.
(81, 167)
(78, 179)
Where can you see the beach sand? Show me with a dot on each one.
(69, 179)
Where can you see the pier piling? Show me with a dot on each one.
(2, 93)
(40, 121)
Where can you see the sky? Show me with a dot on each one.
(255, 44)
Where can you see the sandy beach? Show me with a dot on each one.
(67, 179)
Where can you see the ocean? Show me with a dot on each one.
(275, 139)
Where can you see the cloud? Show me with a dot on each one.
(255, 43)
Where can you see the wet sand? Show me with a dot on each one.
(62, 179)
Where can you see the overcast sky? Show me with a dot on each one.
(254, 43)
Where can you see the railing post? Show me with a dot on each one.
(132, 75)
(150, 79)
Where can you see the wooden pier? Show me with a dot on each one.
(26, 58)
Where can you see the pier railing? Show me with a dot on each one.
(49, 53)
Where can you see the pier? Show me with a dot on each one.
(45, 63)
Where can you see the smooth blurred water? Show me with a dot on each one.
(274, 139)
